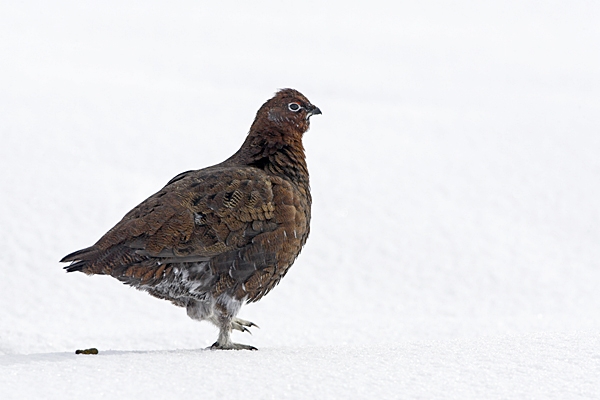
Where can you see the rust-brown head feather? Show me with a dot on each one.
(288, 112)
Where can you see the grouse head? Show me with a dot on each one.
(288, 113)
(275, 138)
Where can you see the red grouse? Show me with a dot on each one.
(217, 237)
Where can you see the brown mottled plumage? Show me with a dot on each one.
(216, 237)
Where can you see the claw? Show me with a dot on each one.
(244, 329)
(243, 325)
(231, 346)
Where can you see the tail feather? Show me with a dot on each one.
(79, 254)
(81, 260)
(112, 261)
(76, 266)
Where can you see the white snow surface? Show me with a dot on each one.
(455, 242)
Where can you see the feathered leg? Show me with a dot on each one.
(225, 324)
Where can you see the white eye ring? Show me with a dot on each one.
(295, 107)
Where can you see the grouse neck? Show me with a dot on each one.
(290, 162)
(275, 153)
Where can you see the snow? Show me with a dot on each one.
(454, 248)
(524, 367)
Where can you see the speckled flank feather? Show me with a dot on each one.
(216, 237)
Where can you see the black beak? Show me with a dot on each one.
(313, 111)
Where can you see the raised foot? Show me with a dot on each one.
(243, 325)
(231, 346)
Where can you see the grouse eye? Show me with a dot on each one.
(294, 107)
